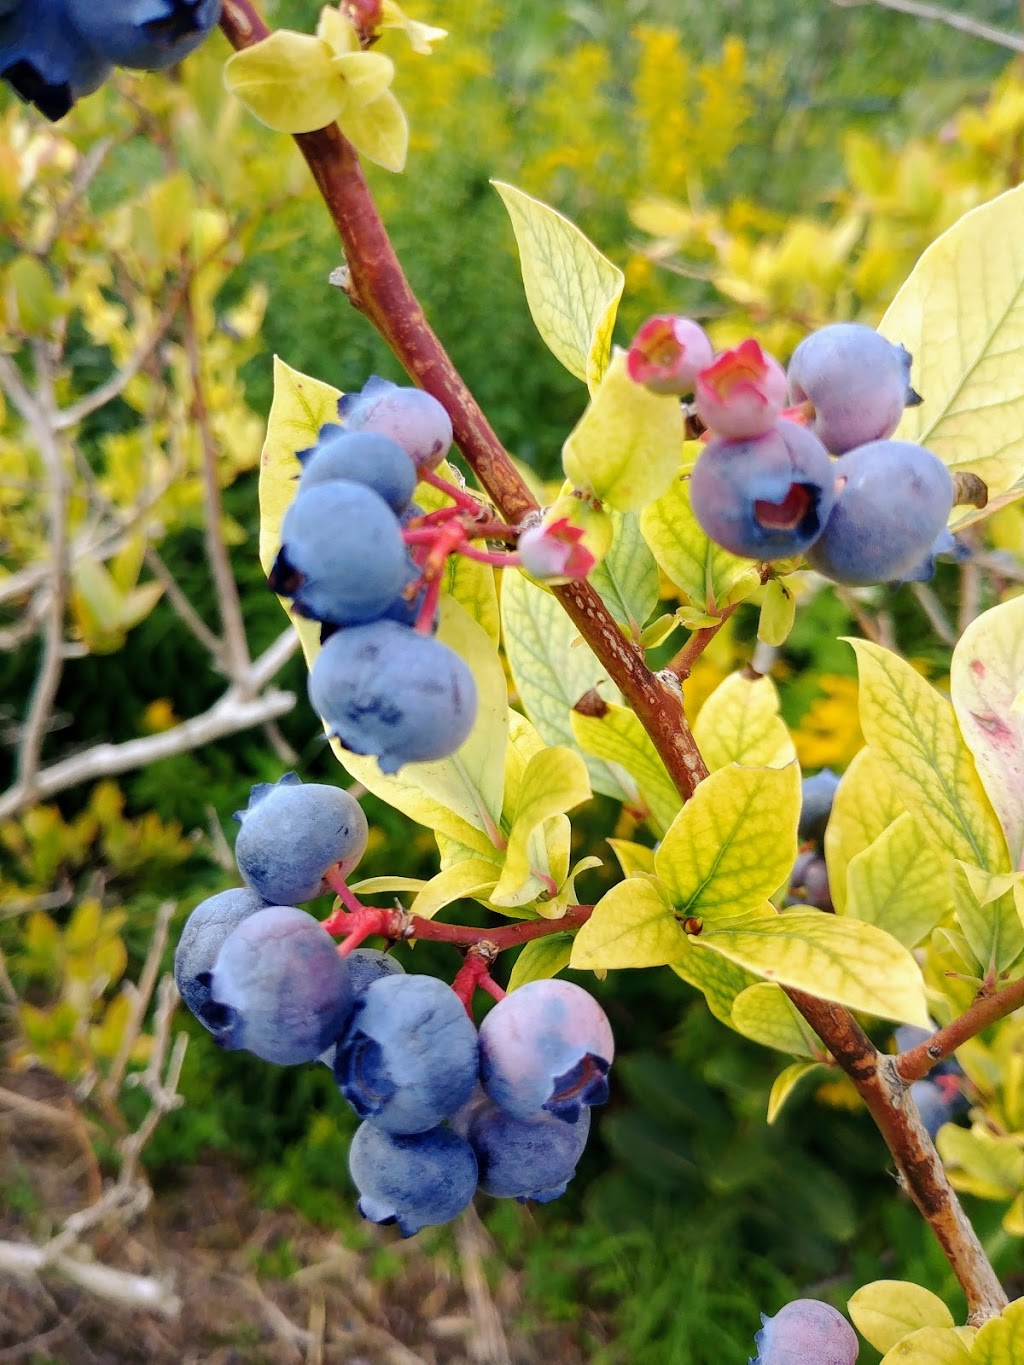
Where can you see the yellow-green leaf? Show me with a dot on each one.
(709, 578)
(834, 958)
(764, 1014)
(632, 925)
(632, 857)
(898, 883)
(1000, 1341)
(972, 416)
(740, 723)
(474, 878)
(300, 407)
(367, 75)
(987, 685)
(733, 844)
(555, 781)
(930, 1346)
(886, 1311)
(778, 612)
(288, 81)
(989, 1165)
(378, 130)
(986, 910)
(552, 668)
(785, 1084)
(865, 803)
(572, 290)
(913, 730)
(618, 737)
(541, 959)
(718, 980)
(627, 446)
(422, 37)
(626, 579)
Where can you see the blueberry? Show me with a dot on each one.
(909, 1035)
(892, 500)
(205, 931)
(409, 1056)
(808, 882)
(361, 457)
(365, 966)
(413, 418)
(278, 988)
(806, 1331)
(938, 1102)
(45, 60)
(766, 498)
(342, 556)
(293, 834)
(145, 35)
(415, 1181)
(526, 1158)
(857, 381)
(385, 689)
(816, 796)
(546, 1047)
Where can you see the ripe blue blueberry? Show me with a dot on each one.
(939, 1101)
(408, 1058)
(145, 35)
(808, 882)
(361, 457)
(546, 1047)
(385, 689)
(278, 988)
(892, 500)
(45, 60)
(764, 498)
(205, 931)
(909, 1035)
(342, 556)
(293, 834)
(415, 1181)
(858, 383)
(413, 418)
(365, 966)
(816, 796)
(525, 1158)
(803, 1332)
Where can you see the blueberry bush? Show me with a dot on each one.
(485, 663)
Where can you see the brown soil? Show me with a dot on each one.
(206, 1237)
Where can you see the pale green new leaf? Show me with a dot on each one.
(473, 878)
(740, 723)
(834, 958)
(986, 911)
(1000, 1341)
(930, 1346)
(886, 1311)
(555, 781)
(632, 925)
(718, 980)
(708, 577)
(763, 1013)
(899, 884)
(969, 373)
(785, 1084)
(627, 578)
(378, 130)
(912, 728)
(866, 802)
(626, 448)
(552, 668)
(987, 686)
(572, 290)
(618, 737)
(288, 81)
(778, 612)
(733, 844)
(541, 959)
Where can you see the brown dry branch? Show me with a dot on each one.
(378, 288)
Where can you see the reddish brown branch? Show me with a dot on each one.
(378, 287)
(987, 1009)
(920, 1167)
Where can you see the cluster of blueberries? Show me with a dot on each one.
(939, 1096)
(446, 1109)
(54, 51)
(382, 683)
(766, 485)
